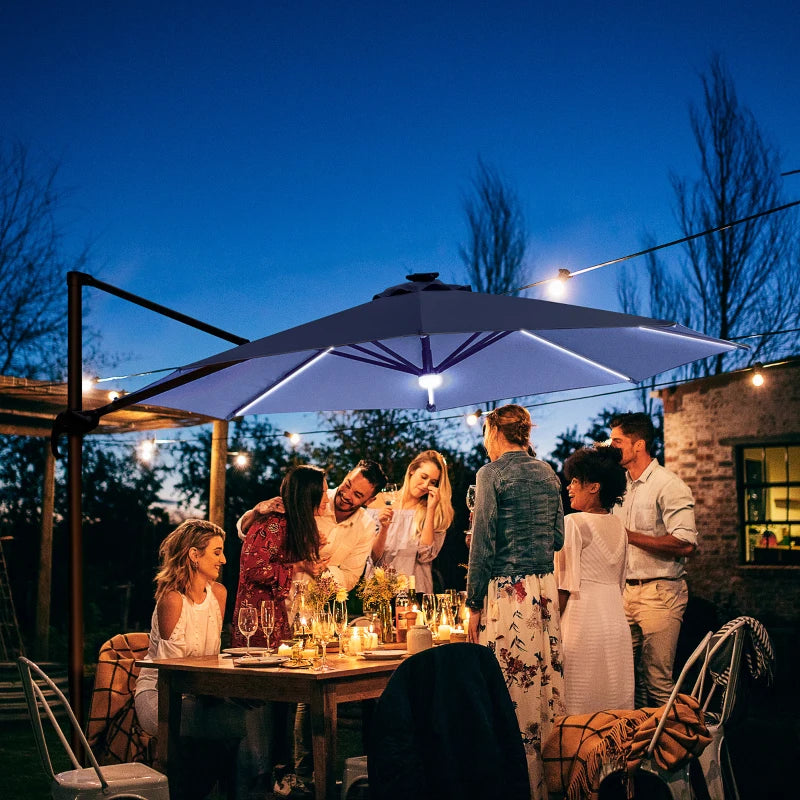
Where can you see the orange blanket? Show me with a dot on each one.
(113, 730)
(583, 748)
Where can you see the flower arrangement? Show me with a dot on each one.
(381, 586)
(321, 591)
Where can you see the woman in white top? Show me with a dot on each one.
(419, 520)
(190, 602)
(590, 570)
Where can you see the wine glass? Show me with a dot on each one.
(248, 622)
(429, 609)
(324, 628)
(389, 493)
(471, 497)
(340, 623)
(268, 620)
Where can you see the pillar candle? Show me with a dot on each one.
(444, 633)
(285, 650)
(355, 643)
(310, 652)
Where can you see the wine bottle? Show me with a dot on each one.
(400, 608)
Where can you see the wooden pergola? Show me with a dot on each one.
(29, 408)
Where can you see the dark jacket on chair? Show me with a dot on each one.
(445, 727)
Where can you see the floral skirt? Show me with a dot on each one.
(520, 624)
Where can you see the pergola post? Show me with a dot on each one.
(219, 460)
(45, 577)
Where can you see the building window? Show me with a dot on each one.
(769, 503)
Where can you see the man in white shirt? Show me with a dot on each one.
(658, 513)
(346, 530)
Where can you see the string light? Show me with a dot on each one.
(473, 417)
(114, 395)
(240, 458)
(557, 287)
(87, 384)
(758, 378)
(147, 450)
(294, 438)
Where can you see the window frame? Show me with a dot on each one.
(766, 555)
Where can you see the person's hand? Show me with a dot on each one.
(385, 516)
(313, 568)
(474, 622)
(433, 498)
(274, 505)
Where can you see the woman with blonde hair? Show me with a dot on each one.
(190, 604)
(512, 594)
(418, 522)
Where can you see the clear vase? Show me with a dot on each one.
(384, 611)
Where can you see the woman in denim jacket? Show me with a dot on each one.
(511, 590)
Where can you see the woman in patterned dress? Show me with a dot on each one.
(512, 595)
(275, 545)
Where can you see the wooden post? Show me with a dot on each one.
(42, 646)
(219, 459)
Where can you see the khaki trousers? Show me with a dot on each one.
(655, 612)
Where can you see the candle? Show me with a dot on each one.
(355, 643)
(444, 633)
(310, 652)
(373, 640)
(285, 650)
(420, 618)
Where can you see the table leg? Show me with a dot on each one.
(324, 724)
(170, 701)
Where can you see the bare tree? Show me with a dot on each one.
(497, 233)
(744, 279)
(33, 265)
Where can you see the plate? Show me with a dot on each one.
(243, 651)
(383, 655)
(259, 661)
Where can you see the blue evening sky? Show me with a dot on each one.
(260, 164)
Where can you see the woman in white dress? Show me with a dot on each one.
(590, 570)
(420, 517)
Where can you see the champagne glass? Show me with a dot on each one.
(452, 599)
(248, 622)
(429, 609)
(268, 620)
(324, 629)
(471, 498)
(340, 623)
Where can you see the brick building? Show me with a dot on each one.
(738, 447)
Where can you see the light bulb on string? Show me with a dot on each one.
(557, 287)
(758, 378)
(294, 438)
(241, 460)
(147, 450)
(473, 417)
(87, 384)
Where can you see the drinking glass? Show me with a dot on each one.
(471, 498)
(452, 599)
(268, 620)
(340, 623)
(324, 627)
(248, 623)
(429, 609)
(389, 493)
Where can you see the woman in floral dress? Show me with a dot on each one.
(518, 523)
(275, 545)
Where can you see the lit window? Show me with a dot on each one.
(769, 503)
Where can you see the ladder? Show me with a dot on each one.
(10, 637)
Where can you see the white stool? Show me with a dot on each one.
(354, 768)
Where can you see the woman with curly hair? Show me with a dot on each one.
(518, 522)
(590, 570)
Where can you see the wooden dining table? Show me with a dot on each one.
(218, 676)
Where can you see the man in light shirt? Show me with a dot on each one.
(346, 530)
(658, 513)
